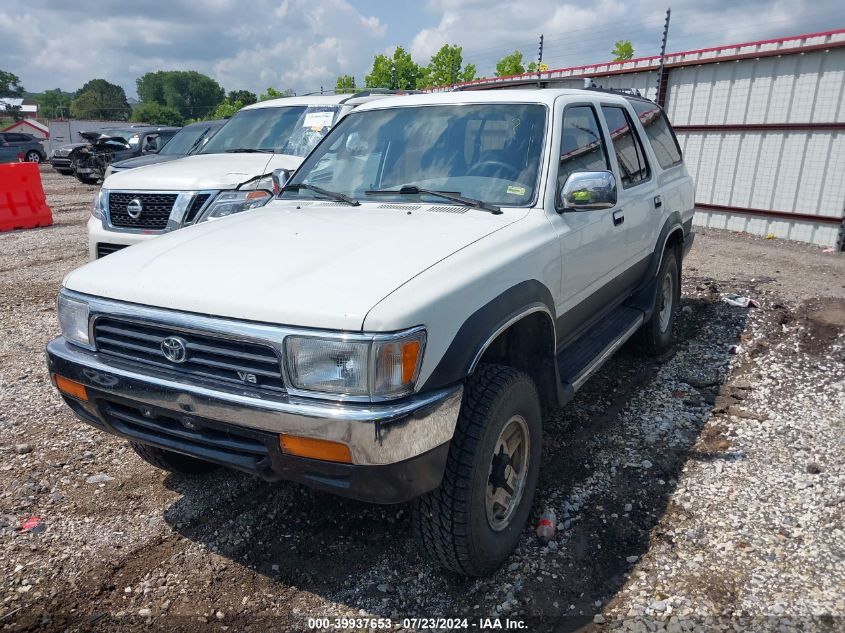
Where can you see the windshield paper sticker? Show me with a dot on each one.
(318, 120)
(517, 191)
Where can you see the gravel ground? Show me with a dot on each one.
(705, 491)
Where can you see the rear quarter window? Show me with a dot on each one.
(659, 133)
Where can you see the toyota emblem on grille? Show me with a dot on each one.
(175, 349)
(134, 208)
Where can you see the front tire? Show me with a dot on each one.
(473, 521)
(172, 462)
(86, 180)
(656, 335)
(33, 157)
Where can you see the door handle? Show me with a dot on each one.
(618, 217)
(658, 202)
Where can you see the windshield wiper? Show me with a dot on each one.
(342, 197)
(413, 190)
(248, 150)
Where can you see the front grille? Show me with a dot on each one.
(236, 446)
(196, 204)
(155, 211)
(107, 249)
(239, 362)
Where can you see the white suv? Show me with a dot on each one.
(389, 328)
(231, 173)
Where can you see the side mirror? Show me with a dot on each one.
(587, 190)
(280, 177)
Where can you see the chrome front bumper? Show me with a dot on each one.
(378, 434)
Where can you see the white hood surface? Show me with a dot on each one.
(320, 266)
(201, 171)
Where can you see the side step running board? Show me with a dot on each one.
(584, 357)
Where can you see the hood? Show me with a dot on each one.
(321, 265)
(146, 159)
(201, 171)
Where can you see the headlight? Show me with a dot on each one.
(328, 366)
(73, 320)
(100, 203)
(230, 202)
(383, 367)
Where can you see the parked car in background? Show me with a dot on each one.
(440, 269)
(189, 140)
(11, 155)
(33, 150)
(90, 161)
(230, 174)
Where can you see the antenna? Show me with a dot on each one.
(540, 56)
(661, 72)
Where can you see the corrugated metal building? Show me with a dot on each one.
(761, 124)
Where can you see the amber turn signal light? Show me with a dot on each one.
(315, 449)
(71, 388)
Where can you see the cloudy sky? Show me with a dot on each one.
(305, 44)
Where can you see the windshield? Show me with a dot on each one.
(489, 152)
(184, 140)
(291, 130)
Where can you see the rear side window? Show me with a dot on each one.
(581, 144)
(659, 133)
(627, 145)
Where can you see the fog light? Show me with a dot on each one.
(71, 388)
(315, 449)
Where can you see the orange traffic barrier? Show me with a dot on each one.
(22, 201)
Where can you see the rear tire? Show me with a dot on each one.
(656, 335)
(469, 524)
(172, 462)
(33, 157)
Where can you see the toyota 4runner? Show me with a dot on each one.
(389, 328)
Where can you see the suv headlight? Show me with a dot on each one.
(100, 204)
(73, 320)
(383, 367)
(230, 202)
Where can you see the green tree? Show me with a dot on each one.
(99, 99)
(446, 67)
(10, 85)
(157, 114)
(512, 65)
(54, 104)
(245, 97)
(399, 72)
(272, 93)
(226, 109)
(344, 84)
(192, 94)
(622, 50)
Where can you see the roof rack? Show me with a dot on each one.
(363, 93)
(547, 83)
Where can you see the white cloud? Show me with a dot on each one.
(578, 33)
(297, 44)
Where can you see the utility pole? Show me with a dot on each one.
(662, 75)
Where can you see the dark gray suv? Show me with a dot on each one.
(31, 147)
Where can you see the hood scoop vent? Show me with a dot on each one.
(331, 204)
(400, 207)
(447, 209)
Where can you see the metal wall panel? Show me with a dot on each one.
(798, 172)
(793, 88)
